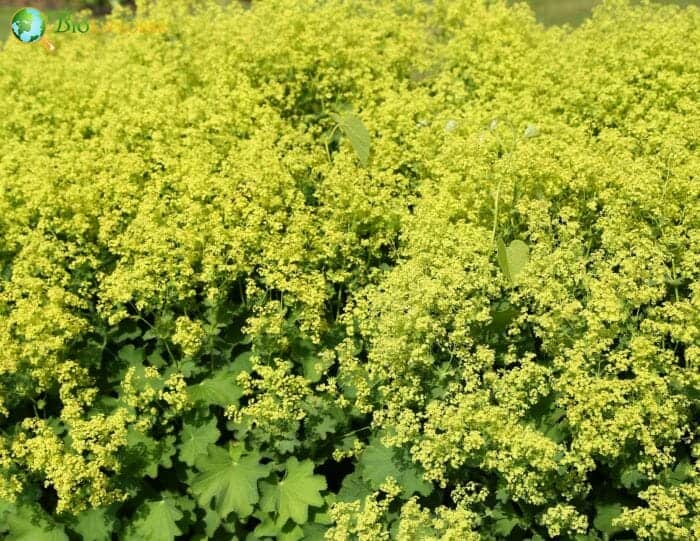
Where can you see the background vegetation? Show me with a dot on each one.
(574, 12)
(353, 270)
(549, 12)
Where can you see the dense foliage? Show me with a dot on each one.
(362, 270)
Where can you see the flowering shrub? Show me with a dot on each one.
(353, 270)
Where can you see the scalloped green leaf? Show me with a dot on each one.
(195, 439)
(31, 524)
(220, 390)
(131, 355)
(353, 488)
(632, 478)
(146, 454)
(94, 524)
(604, 517)
(155, 521)
(297, 491)
(228, 482)
(378, 462)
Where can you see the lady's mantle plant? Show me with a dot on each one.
(353, 270)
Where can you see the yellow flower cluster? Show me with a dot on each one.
(279, 399)
(671, 513)
(564, 519)
(189, 335)
(79, 472)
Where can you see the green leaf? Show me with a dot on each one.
(231, 482)
(315, 367)
(196, 439)
(156, 358)
(211, 522)
(94, 524)
(5, 508)
(242, 362)
(157, 521)
(299, 490)
(268, 498)
(632, 477)
(220, 390)
(291, 533)
(512, 259)
(32, 524)
(321, 516)
(351, 125)
(353, 488)
(503, 522)
(531, 131)
(604, 517)
(287, 446)
(451, 125)
(680, 473)
(326, 425)
(314, 532)
(378, 462)
(131, 355)
(184, 503)
(127, 330)
(267, 528)
(501, 316)
(503, 495)
(145, 454)
(554, 425)
(502, 256)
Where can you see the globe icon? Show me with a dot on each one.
(28, 25)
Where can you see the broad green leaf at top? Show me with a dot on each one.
(513, 258)
(354, 129)
(531, 131)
